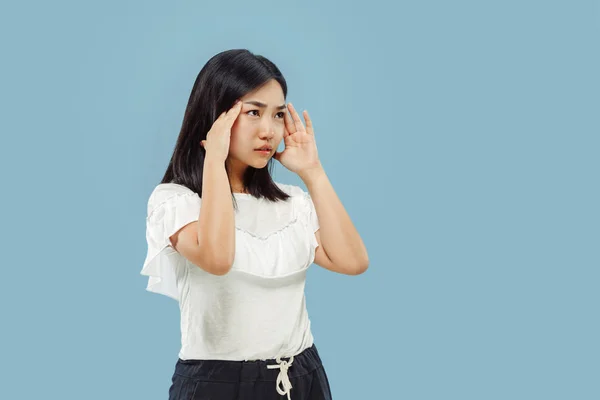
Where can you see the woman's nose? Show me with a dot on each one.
(267, 134)
(266, 125)
(267, 129)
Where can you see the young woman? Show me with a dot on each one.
(233, 247)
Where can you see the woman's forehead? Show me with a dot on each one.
(270, 94)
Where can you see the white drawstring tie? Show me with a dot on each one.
(283, 377)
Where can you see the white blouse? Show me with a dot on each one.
(257, 310)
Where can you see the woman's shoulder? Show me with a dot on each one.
(292, 190)
(166, 189)
(163, 192)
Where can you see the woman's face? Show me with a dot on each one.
(260, 123)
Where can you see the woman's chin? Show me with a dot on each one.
(260, 162)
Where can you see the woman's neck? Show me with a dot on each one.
(235, 174)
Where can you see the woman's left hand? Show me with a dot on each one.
(300, 152)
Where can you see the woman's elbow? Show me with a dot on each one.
(362, 269)
(359, 268)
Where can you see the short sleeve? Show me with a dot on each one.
(170, 208)
(311, 212)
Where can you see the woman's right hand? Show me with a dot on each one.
(218, 137)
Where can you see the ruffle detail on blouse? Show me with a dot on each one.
(284, 251)
(167, 213)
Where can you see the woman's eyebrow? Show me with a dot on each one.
(263, 105)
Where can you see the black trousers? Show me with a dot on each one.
(300, 378)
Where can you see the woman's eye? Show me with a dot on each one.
(279, 114)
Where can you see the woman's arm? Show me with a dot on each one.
(210, 242)
(341, 248)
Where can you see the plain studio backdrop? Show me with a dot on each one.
(462, 138)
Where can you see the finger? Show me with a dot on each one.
(289, 123)
(233, 113)
(225, 114)
(286, 133)
(236, 108)
(309, 125)
(297, 121)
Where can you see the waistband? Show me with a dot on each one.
(258, 370)
(279, 370)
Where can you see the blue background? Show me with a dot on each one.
(462, 138)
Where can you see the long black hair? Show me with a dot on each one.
(225, 78)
